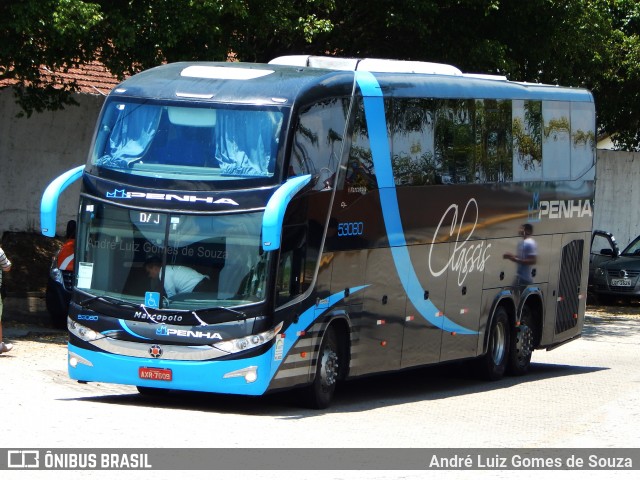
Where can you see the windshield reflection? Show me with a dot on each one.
(174, 261)
(194, 142)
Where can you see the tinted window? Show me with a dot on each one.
(187, 142)
(556, 141)
(527, 140)
(360, 177)
(410, 123)
(317, 144)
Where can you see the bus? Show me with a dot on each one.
(248, 228)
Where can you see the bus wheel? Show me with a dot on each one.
(522, 344)
(320, 392)
(493, 364)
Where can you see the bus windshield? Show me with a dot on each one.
(187, 142)
(167, 260)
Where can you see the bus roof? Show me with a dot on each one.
(286, 83)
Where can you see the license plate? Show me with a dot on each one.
(150, 373)
(621, 282)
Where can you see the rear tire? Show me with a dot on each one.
(320, 393)
(522, 344)
(493, 364)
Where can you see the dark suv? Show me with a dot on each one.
(58, 296)
(614, 274)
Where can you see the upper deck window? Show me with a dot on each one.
(188, 142)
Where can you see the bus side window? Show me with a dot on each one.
(454, 141)
(556, 140)
(494, 144)
(410, 122)
(317, 144)
(360, 175)
(583, 140)
(527, 140)
(291, 264)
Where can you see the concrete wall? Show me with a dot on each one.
(34, 151)
(618, 195)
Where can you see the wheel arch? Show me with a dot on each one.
(340, 321)
(533, 299)
(506, 300)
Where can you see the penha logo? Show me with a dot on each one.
(558, 209)
(170, 197)
(118, 194)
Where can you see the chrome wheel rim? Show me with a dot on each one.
(498, 347)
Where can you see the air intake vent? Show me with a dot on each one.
(569, 288)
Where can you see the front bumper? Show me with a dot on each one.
(247, 376)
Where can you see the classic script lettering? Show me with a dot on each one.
(466, 257)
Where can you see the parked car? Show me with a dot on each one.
(58, 295)
(60, 280)
(613, 275)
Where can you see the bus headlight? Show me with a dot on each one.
(82, 332)
(250, 341)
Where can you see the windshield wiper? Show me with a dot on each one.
(107, 299)
(211, 309)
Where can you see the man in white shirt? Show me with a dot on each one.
(526, 255)
(177, 278)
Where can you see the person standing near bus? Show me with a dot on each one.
(177, 278)
(5, 266)
(66, 254)
(526, 255)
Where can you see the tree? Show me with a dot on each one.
(39, 38)
(586, 43)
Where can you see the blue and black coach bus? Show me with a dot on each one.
(317, 219)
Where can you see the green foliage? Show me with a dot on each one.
(587, 43)
(39, 37)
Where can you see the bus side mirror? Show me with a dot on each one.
(49, 203)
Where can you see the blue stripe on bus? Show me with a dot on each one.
(377, 125)
(126, 328)
(304, 322)
(274, 212)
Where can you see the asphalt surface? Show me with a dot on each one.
(585, 394)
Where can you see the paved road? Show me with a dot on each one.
(584, 394)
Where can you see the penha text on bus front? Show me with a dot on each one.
(246, 228)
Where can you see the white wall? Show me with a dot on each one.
(618, 195)
(34, 151)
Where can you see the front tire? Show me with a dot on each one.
(320, 393)
(493, 364)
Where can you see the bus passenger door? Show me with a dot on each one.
(379, 329)
(464, 297)
(425, 310)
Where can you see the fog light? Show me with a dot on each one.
(250, 374)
